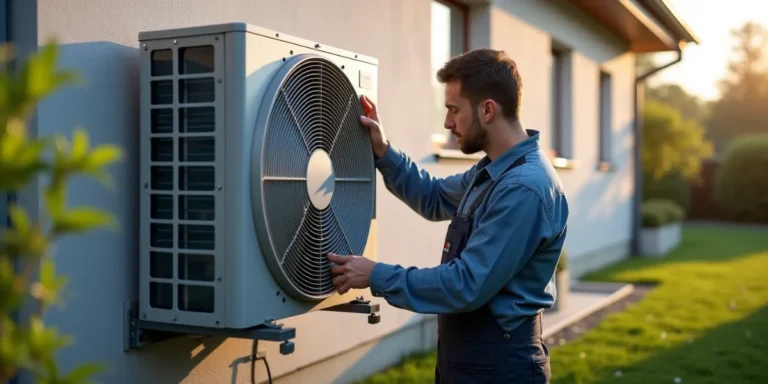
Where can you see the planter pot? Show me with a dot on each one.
(562, 283)
(657, 242)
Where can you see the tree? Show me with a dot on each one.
(27, 272)
(672, 145)
(741, 108)
(747, 71)
(673, 95)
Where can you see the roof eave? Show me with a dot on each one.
(663, 11)
(646, 25)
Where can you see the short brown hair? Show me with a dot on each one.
(486, 74)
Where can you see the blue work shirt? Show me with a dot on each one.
(510, 258)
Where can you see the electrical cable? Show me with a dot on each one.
(254, 351)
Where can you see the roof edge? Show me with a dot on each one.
(665, 13)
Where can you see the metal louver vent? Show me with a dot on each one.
(183, 170)
(314, 176)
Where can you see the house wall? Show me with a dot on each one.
(99, 40)
(600, 202)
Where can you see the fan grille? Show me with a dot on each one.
(317, 174)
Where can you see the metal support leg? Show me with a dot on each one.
(359, 305)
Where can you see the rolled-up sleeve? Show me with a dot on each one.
(511, 229)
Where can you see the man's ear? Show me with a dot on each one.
(487, 110)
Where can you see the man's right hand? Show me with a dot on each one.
(371, 120)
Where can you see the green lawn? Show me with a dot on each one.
(706, 321)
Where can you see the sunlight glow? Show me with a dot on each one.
(711, 21)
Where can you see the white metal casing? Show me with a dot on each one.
(246, 58)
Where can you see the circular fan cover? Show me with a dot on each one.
(313, 174)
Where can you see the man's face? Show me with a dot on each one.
(461, 119)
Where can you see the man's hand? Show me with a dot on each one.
(371, 120)
(350, 272)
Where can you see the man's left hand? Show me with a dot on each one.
(350, 272)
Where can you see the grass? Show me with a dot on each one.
(706, 321)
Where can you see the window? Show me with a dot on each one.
(561, 101)
(3, 22)
(449, 38)
(606, 117)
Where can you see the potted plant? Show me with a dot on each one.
(662, 224)
(562, 282)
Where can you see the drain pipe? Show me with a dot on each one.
(638, 145)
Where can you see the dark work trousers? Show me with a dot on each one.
(472, 347)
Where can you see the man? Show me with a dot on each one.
(508, 223)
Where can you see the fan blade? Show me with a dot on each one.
(287, 154)
(291, 112)
(352, 150)
(286, 212)
(303, 92)
(353, 208)
(337, 105)
(304, 261)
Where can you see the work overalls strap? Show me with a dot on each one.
(472, 347)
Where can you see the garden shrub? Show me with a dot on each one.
(660, 212)
(741, 180)
(672, 187)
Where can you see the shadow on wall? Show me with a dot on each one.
(415, 336)
(600, 202)
(357, 363)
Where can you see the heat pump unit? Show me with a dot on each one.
(254, 165)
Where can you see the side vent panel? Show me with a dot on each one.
(182, 177)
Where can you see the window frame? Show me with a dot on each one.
(464, 10)
(449, 149)
(605, 127)
(561, 105)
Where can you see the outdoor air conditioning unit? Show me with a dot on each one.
(254, 165)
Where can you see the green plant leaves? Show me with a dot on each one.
(672, 145)
(26, 268)
(83, 219)
(82, 373)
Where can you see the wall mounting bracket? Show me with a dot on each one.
(139, 333)
(359, 305)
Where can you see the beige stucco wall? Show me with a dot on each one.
(99, 39)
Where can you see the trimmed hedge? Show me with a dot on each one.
(741, 180)
(670, 187)
(660, 212)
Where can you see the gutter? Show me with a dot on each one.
(637, 148)
(662, 10)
